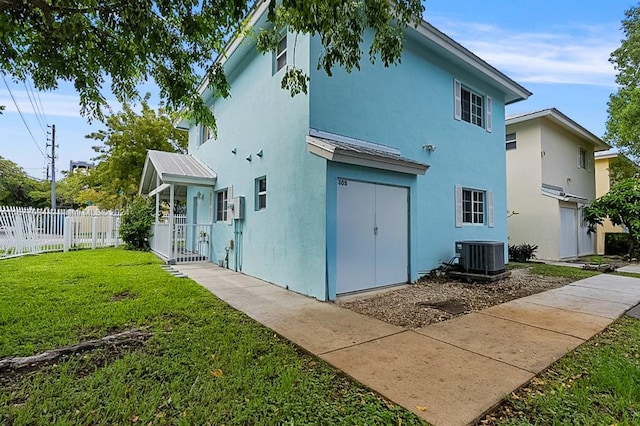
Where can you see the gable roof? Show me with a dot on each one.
(174, 168)
(563, 121)
(513, 91)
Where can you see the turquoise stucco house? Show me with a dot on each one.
(368, 180)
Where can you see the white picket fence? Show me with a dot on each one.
(27, 230)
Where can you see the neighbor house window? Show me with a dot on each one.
(221, 205)
(205, 134)
(471, 106)
(583, 161)
(261, 193)
(473, 206)
(510, 141)
(281, 54)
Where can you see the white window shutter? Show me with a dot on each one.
(490, 209)
(578, 152)
(457, 89)
(488, 114)
(458, 206)
(230, 205)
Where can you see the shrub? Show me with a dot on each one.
(135, 224)
(617, 243)
(522, 252)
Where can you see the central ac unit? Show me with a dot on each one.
(481, 257)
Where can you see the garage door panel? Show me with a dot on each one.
(355, 263)
(568, 232)
(372, 236)
(392, 245)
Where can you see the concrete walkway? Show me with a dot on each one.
(454, 370)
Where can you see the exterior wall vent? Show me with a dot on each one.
(481, 257)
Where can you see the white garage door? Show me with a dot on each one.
(372, 235)
(568, 232)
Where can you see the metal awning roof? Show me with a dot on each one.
(559, 194)
(171, 168)
(351, 151)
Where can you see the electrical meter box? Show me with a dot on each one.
(236, 207)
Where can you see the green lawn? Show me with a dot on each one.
(204, 364)
(597, 384)
(554, 271)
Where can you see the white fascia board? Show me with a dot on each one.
(188, 180)
(383, 163)
(332, 153)
(159, 189)
(445, 42)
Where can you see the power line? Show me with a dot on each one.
(33, 107)
(34, 104)
(42, 109)
(21, 116)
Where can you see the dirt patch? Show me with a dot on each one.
(122, 295)
(433, 300)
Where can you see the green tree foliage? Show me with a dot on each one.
(125, 43)
(622, 206)
(621, 168)
(135, 223)
(122, 152)
(623, 126)
(16, 187)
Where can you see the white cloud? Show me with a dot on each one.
(574, 54)
(54, 105)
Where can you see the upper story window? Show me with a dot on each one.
(205, 134)
(510, 141)
(281, 54)
(261, 193)
(221, 205)
(471, 106)
(583, 159)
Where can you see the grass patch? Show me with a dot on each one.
(205, 363)
(553, 270)
(595, 384)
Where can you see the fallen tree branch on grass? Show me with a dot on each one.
(118, 339)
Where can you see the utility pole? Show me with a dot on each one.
(53, 166)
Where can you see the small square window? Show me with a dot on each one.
(221, 205)
(261, 193)
(281, 54)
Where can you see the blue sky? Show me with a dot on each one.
(559, 50)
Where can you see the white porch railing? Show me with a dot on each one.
(184, 243)
(27, 230)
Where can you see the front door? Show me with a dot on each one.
(372, 235)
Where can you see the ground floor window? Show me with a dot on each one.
(261, 193)
(473, 206)
(221, 205)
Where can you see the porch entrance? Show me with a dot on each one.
(166, 176)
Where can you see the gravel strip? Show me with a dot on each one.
(433, 300)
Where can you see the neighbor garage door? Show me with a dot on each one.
(372, 235)
(568, 232)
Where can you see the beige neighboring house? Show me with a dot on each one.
(550, 178)
(603, 184)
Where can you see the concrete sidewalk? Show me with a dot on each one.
(457, 369)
